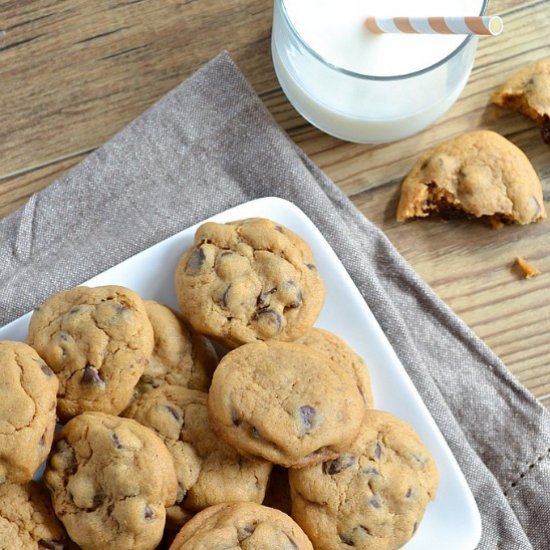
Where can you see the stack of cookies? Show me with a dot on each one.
(161, 441)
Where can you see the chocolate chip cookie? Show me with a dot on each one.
(284, 402)
(27, 521)
(372, 496)
(249, 280)
(28, 389)
(181, 357)
(98, 341)
(110, 479)
(243, 525)
(338, 351)
(528, 91)
(208, 470)
(478, 175)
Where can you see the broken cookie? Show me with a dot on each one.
(476, 175)
(528, 91)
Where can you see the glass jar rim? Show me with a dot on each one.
(364, 76)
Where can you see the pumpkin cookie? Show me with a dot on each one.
(27, 521)
(371, 497)
(338, 351)
(249, 280)
(479, 175)
(208, 470)
(241, 525)
(28, 390)
(285, 403)
(98, 341)
(110, 479)
(181, 357)
(528, 91)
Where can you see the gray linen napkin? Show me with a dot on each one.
(209, 145)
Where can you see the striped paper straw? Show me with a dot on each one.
(481, 24)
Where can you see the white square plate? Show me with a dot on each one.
(452, 521)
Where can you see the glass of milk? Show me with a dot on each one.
(369, 88)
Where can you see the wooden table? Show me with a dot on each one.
(73, 72)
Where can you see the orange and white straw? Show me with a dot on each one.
(482, 25)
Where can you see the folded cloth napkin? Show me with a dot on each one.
(209, 145)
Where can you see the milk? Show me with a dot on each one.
(366, 88)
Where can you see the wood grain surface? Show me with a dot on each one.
(74, 72)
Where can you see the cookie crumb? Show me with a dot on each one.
(527, 270)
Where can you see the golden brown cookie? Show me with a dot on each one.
(528, 91)
(27, 521)
(28, 389)
(181, 357)
(338, 351)
(371, 497)
(208, 470)
(98, 342)
(285, 403)
(243, 525)
(110, 479)
(249, 280)
(478, 174)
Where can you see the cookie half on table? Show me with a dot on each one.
(208, 470)
(285, 403)
(241, 525)
(373, 496)
(475, 175)
(528, 91)
(27, 411)
(249, 280)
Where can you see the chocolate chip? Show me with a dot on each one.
(97, 501)
(91, 377)
(255, 433)
(375, 502)
(339, 465)
(116, 441)
(357, 532)
(235, 418)
(297, 302)
(545, 129)
(371, 471)
(195, 262)
(377, 451)
(312, 267)
(264, 298)
(293, 544)
(270, 317)
(148, 512)
(307, 417)
(278, 228)
(174, 412)
(64, 336)
(411, 493)
(346, 538)
(225, 295)
(51, 544)
(46, 370)
(245, 532)
(74, 309)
